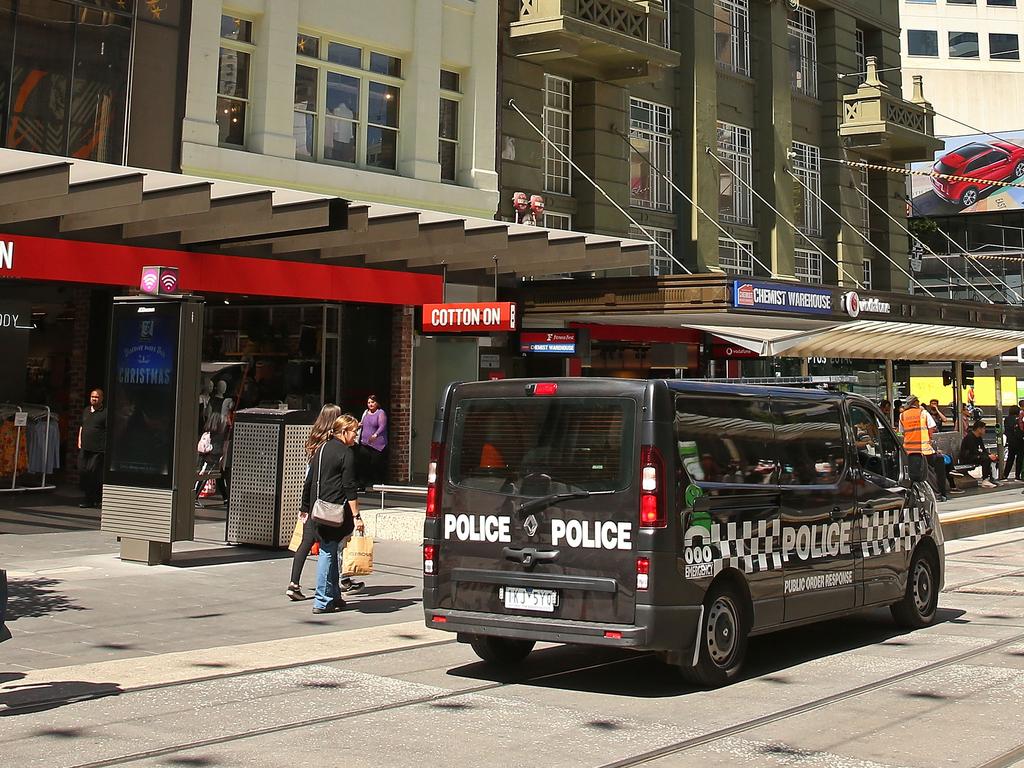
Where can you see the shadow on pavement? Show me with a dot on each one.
(196, 558)
(25, 699)
(36, 597)
(642, 675)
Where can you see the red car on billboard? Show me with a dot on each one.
(995, 161)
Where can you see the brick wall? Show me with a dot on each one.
(78, 395)
(400, 417)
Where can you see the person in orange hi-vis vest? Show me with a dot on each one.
(917, 427)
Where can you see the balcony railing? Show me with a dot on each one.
(623, 39)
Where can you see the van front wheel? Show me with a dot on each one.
(502, 651)
(918, 607)
(722, 641)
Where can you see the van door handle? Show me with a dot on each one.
(529, 556)
(837, 513)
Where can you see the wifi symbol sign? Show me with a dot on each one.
(158, 280)
(150, 280)
(168, 282)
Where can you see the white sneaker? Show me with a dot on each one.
(987, 484)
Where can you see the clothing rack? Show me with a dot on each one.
(34, 412)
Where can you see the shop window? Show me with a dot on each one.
(236, 51)
(732, 35)
(810, 441)
(807, 196)
(735, 201)
(448, 126)
(558, 130)
(803, 54)
(650, 138)
(736, 256)
(347, 104)
(67, 74)
(661, 262)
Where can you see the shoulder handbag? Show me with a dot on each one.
(326, 512)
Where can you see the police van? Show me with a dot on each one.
(680, 517)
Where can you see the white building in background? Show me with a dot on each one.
(969, 54)
(390, 101)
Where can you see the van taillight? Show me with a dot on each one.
(429, 563)
(434, 470)
(543, 389)
(652, 488)
(643, 573)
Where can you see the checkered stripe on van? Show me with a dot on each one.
(891, 530)
(749, 546)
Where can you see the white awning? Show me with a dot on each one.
(873, 340)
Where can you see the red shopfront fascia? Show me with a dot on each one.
(73, 261)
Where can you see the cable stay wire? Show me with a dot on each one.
(744, 247)
(965, 252)
(581, 172)
(894, 220)
(795, 228)
(864, 237)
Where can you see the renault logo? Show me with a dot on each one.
(530, 525)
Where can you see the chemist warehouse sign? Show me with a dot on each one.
(483, 317)
(780, 297)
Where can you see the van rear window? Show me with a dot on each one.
(514, 445)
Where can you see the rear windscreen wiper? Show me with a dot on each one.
(546, 501)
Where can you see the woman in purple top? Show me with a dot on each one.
(374, 440)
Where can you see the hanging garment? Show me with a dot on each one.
(43, 446)
(8, 441)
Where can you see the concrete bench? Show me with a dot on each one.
(402, 490)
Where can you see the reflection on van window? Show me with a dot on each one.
(810, 441)
(725, 439)
(540, 445)
(877, 450)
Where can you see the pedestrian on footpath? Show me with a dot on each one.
(373, 443)
(321, 432)
(1014, 438)
(917, 427)
(92, 443)
(973, 451)
(332, 479)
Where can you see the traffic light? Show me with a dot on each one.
(967, 375)
(947, 378)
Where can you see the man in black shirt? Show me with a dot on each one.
(92, 441)
(973, 451)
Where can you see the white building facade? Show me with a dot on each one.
(969, 54)
(392, 101)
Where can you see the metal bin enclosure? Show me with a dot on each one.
(268, 469)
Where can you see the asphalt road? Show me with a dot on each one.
(855, 692)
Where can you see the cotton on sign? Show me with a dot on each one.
(487, 317)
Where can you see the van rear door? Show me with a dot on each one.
(539, 508)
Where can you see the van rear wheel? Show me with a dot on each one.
(502, 651)
(722, 641)
(918, 606)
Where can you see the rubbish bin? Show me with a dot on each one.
(268, 469)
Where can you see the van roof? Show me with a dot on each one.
(674, 385)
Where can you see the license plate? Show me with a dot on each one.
(527, 599)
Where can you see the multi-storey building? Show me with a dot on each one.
(746, 106)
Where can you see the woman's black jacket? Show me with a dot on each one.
(337, 485)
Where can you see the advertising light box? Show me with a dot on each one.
(548, 342)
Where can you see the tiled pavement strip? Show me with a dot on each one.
(82, 615)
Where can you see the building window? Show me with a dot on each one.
(803, 54)
(236, 50)
(1002, 3)
(862, 54)
(734, 196)
(865, 205)
(807, 196)
(736, 256)
(448, 125)
(347, 104)
(558, 130)
(553, 220)
(867, 274)
(732, 35)
(1003, 46)
(922, 42)
(963, 45)
(807, 266)
(661, 264)
(650, 136)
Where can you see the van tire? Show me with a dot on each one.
(723, 640)
(501, 651)
(918, 607)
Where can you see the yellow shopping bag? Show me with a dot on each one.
(357, 559)
(293, 545)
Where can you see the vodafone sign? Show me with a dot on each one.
(486, 317)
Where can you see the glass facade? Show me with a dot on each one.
(64, 77)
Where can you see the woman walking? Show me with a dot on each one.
(320, 434)
(373, 441)
(332, 479)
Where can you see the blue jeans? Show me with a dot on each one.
(328, 570)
